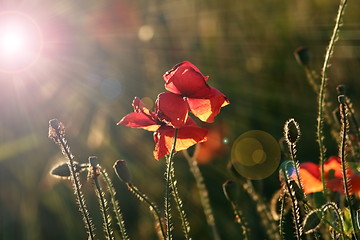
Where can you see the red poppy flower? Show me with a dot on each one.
(163, 123)
(311, 176)
(186, 80)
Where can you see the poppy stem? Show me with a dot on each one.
(266, 217)
(167, 201)
(294, 205)
(203, 193)
(344, 129)
(322, 91)
(57, 132)
(115, 205)
(153, 208)
(240, 220)
(282, 218)
(94, 173)
(172, 184)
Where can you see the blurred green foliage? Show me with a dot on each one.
(99, 55)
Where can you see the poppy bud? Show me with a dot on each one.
(63, 170)
(231, 190)
(122, 171)
(94, 170)
(291, 131)
(341, 89)
(93, 161)
(54, 123)
(312, 221)
(302, 56)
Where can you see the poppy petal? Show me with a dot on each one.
(139, 120)
(186, 80)
(140, 107)
(207, 109)
(172, 71)
(171, 109)
(187, 137)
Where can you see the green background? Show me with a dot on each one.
(97, 56)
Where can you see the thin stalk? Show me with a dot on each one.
(323, 84)
(296, 166)
(103, 208)
(203, 193)
(167, 201)
(266, 217)
(184, 223)
(76, 181)
(240, 220)
(281, 220)
(153, 207)
(115, 205)
(343, 164)
(295, 208)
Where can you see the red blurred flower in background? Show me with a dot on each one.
(214, 147)
(311, 177)
(171, 112)
(186, 80)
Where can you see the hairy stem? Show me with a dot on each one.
(281, 220)
(322, 91)
(153, 207)
(294, 205)
(103, 208)
(172, 183)
(203, 193)
(76, 184)
(115, 205)
(344, 126)
(240, 220)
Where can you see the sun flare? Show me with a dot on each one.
(20, 41)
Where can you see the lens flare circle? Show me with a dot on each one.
(255, 155)
(20, 41)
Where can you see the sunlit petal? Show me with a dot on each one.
(187, 81)
(139, 120)
(207, 109)
(172, 109)
(187, 137)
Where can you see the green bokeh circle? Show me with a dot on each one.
(255, 154)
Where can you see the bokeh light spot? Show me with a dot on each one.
(20, 41)
(146, 33)
(255, 154)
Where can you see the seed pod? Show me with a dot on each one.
(291, 131)
(312, 221)
(303, 56)
(63, 170)
(341, 89)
